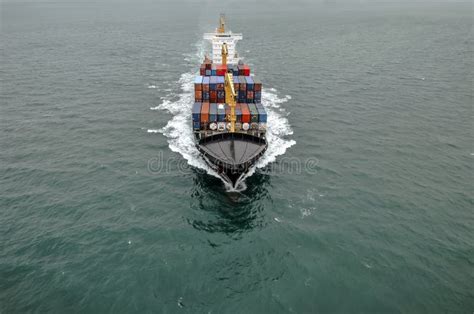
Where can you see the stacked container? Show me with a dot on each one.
(205, 115)
(198, 89)
(209, 110)
(257, 85)
(196, 115)
(205, 89)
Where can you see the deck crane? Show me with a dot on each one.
(230, 95)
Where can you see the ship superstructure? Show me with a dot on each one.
(220, 37)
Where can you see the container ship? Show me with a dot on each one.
(228, 119)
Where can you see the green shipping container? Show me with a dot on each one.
(253, 113)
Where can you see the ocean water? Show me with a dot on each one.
(363, 202)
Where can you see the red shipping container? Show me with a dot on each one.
(244, 69)
(202, 71)
(213, 94)
(205, 113)
(220, 100)
(198, 94)
(249, 95)
(245, 113)
(205, 87)
(213, 100)
(221, 70)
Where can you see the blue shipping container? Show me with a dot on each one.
(262, 113)
(249, 81)
(220, 94)
(221, 113)
(196, 125)
(213, 72)
(238, 114)
(213, 113)
(213, 83)
(197, 111)
(205, 95)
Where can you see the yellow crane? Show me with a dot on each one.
(230, 95)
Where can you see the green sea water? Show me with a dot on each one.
(362, 204)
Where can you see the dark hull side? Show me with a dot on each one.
(232, 154)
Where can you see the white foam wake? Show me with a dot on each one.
(179, 131)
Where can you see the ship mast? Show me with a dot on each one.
(221, 28)
(230, 94)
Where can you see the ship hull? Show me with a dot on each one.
(232, 154)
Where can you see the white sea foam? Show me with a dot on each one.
(179, 131)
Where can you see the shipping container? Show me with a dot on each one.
(205, 83)
(249, 96)
(220, 82)
(220, 113)
(202, 71)
(253, 113)
(244, 70)
(221, 70)
(198, 96)
(205, 96)
(257, 97)
(236, 83)
(242, 96)
(205, 113)
(208, 72)
(213, 83)
(196, 125)
(243, 83)
(249, 81)
(213, 113)
(238, 112)
(198, 83)
(220, 94)
(262, 113)
(245, 113)
(257, 84)
(196, 112)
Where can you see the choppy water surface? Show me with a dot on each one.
(362, 203)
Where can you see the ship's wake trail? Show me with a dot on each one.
(180, 135)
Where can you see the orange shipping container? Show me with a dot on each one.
(205, 112)
(245, 113)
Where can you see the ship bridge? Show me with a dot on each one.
(220, 37)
